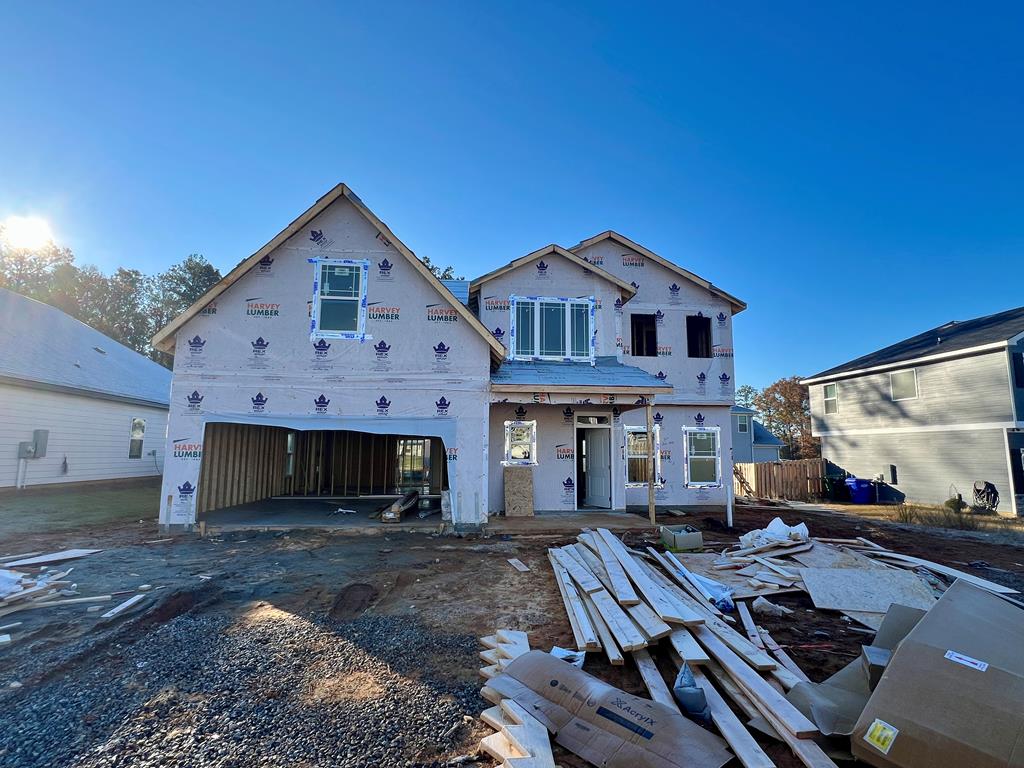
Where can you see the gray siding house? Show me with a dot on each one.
(752, 443)
(931, 415)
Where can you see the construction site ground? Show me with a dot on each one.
(311, 648)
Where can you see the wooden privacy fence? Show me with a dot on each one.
(801, 480)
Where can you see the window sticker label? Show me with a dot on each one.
(967, 661)
(881, 736)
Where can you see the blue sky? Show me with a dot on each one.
(853, 171)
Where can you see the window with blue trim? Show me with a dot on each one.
(339, 298)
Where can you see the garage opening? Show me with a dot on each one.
(247, 463)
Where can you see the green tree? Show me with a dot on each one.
(448, 273)
(785, 410)
(173, 291)
(28, 271)
(746, 395)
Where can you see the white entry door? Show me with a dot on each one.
(599, 468)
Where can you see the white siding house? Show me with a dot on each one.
(75, 405)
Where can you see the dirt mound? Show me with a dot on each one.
(357, 686)
(352, 601)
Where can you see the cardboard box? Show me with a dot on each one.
(953, 692)
(836, 704)
(602, 724)
(681, 537)
(873, 661)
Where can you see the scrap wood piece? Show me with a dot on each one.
(500, 748)
(654, 682)
(667, 609)
(689, 649)
(622, 589)
(123, 606)
(582, 629)
(518, 564)
(746, 749)
(777, 569)
(748, 625)
(870, 619)
(528, 735)
(734, 692)
(853, 589)
(945, 570)
(760, 692)
(783, 657)
(22, 556)
(582, 576)
(788, 545)
(683, 609)
(41, 603)
(53, 557)
(604, 634)
(681, 575)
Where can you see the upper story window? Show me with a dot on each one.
(698, 336)
(831, 398)
(520, 442)
(1018, 370)
(551, 328)
(643, 336)
(743, 423)
(339, 298)
(903, 384)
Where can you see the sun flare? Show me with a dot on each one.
(29, 232)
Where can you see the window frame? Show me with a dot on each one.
(508, 461)
(743, 423)
(627, 430)
(834, 399)
(687, 431)
(633, 333)
(567, 303)
(132, 440)
(315, 331)
(892, 391)
(710, 337)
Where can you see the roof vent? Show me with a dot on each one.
(101, 350)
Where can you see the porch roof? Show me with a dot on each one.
(607, 376)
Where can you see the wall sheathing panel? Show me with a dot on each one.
(249, 356)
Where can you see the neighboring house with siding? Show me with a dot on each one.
(344, 369)
(932, 414)
(751, 441)
(75, 405)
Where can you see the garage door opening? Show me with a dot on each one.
(275, 469)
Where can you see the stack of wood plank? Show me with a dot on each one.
(519, 740)
(621, 601)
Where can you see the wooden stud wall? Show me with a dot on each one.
(241, 463)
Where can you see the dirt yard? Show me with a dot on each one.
(316, 649)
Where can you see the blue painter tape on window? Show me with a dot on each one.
(615, 717)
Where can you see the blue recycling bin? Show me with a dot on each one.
(860, 490)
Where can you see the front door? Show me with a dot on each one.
(599, 468)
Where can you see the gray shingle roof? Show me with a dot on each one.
(951, 337)
(608, 372)
(40, 344)
(460, 288)
(763, 437)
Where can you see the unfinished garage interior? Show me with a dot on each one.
(255, 472)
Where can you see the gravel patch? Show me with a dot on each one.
(268, 689)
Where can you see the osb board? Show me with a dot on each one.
(868, 619)
(857, 589)
(518, 491)
(702, 563)
(825, 556)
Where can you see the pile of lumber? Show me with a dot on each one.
(33, 580)
(622, 602)
(519, 739)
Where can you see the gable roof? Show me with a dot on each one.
(953, 339)
(42, 346)
(736, 304)
(164, 339)
(628, 291)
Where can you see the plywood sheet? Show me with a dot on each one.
(825, 556)
(702, 563)
(855, 589)
(518, 491)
